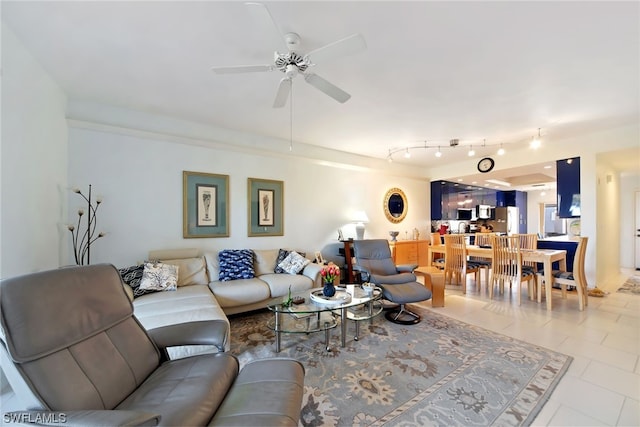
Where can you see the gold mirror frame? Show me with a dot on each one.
(405, 205)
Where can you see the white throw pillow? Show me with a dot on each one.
(294, 263)
(159, 277)
(192, 271)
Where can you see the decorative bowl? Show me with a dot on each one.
(393, 235)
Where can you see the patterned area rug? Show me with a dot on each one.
(631, 286)
(438, 372)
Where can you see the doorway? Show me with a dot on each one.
(637, 230)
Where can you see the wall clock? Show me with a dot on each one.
(486, 164)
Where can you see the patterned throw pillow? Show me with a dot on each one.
(159, 277)
(282, 254)
(235, 264)
(294, 263)
(132, 277)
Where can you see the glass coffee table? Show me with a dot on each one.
(318, 313)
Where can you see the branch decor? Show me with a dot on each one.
(82, 245)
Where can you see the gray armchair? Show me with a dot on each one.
(398, 283)
(72, 347)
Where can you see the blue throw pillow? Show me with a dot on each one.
(235, 264)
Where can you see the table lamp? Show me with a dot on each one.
(360, 217)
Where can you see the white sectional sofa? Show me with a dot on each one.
(201, 296)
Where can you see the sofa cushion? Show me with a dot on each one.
(265, 261)
(191, 271)
(213, 265)
(187, 304)
(159, 277)
(279, 283)
(185, 392)
(235, 264)
(282, 254)
(294, 263)
(240, 292)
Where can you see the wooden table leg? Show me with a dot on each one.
(434, 281)
(548, 281)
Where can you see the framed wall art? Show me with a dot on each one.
(205, 205)
(266, 207)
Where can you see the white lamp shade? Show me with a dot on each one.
(360, 216)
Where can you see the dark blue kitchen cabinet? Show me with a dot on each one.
(506, 198)
(436, 200)
(568, 187)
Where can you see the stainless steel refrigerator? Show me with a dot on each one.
(505, 220)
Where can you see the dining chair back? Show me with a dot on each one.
(529, 241)
(577, 277)
(456, 263)
(438, 259)
(483, 239)
(507, 266)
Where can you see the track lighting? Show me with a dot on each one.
(535, 143)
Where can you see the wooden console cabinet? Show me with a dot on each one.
(410, 252)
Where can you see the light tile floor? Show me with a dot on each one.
(602, 385)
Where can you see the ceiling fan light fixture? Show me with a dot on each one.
(292, 62)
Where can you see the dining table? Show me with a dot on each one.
(545, 256)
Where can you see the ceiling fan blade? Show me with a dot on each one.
(242, 69)
(266, 25)
(346, 46)
(283, 93)
(329, 88)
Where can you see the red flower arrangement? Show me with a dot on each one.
(330, 272)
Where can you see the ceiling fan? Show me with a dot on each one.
(292, 62)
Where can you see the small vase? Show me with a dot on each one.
(328, 290)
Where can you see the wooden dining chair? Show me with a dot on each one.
(529, 241)
(507, 267)
(483, 239)
(577, 277)
(438, 259)
(456, 263)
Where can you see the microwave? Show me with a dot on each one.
(483, 211)
(464, 214)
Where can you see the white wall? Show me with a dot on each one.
(140, 179)
(34, 164)
(629, 184)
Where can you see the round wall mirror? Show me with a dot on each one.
(395, 205)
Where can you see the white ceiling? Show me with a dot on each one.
(490, 72)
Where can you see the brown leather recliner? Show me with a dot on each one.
(72, 348)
